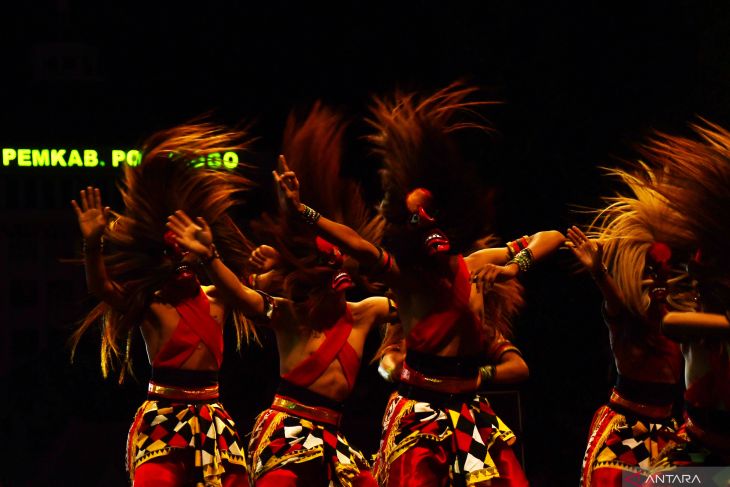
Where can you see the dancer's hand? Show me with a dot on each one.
(588, 252)
(288, 186)
(485, 276)
(92, 216)
(391, 362)
(195, 237)
(264, 258)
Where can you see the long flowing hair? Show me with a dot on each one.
(502, 303)
(630, 225)
(172, 175)
(416, 136)
(313, 147)
(696, 185)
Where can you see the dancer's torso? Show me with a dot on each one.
(299, 345)
(649, 357)
(182, 347)
(436, 313)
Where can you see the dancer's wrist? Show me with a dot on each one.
(309, 215)
(210, 255)
(93, 245)
(599, 272)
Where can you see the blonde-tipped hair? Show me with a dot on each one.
(629, 226)
(697, 186)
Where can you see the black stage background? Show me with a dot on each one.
(580, 85)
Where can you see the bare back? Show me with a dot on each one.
(161, 321)
(418, 293)
(298, 343)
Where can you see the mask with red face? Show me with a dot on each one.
(184, 283)
(659, 269)
(419, 203)
(331, 256)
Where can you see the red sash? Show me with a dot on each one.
(450, 318)
(334, 347)
(195, 326)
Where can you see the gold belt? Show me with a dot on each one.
(313, 413)
(183, 393)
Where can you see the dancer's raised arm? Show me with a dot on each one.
(93, 219)
(197, 238)
(691, 326)
(590, 254)
(365, 252)
(491, 265)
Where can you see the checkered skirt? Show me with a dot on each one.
(162, 426)
(280, 439)
(627, 444)
(470, 430)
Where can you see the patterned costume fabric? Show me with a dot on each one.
(279, 439)
(163, 426)
(467, 432)
(690, 452)
(622, 443)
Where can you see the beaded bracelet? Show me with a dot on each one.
(517, 245)
(523, 259)
(86, 247)
(213, 255)
(600, 273)
(309, 215)
(487, 373)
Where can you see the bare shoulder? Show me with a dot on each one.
(369, 309)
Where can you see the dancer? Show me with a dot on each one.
(495, 304)
(437, 428)
(636, 261)
(320, 335)
(181, 434)
(696, 176)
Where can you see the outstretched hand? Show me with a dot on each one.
(264, 258)
(92, 216)
(194, 236)
(588, 252)
(287, 185)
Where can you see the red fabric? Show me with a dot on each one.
(450, 317)
(195, 326)
(284, 477)
(307, 474)
(429, 467)
(510, 470)
(607, 477)
(420, 466)
(601, 418)
(171, 471)
(167, 472)
(335, 346)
